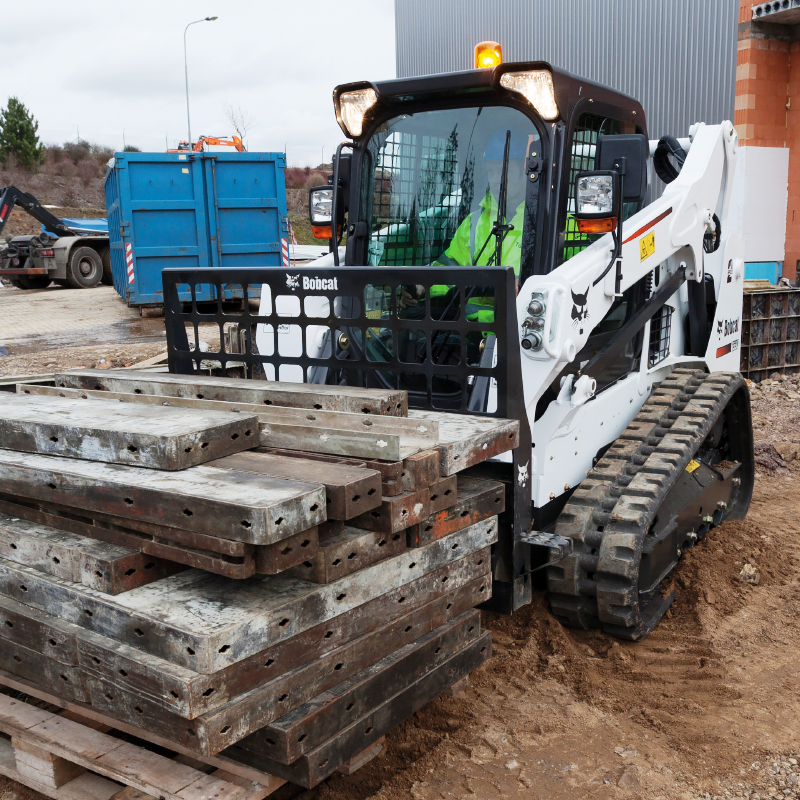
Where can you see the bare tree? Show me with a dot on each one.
(239, 120)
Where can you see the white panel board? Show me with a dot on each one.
(759, 200)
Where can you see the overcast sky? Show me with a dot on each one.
(98, 68)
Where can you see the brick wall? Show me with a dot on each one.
(767, 80)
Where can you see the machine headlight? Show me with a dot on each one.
(353, 106)
(595, 194)
(536, 87)
(320, 205)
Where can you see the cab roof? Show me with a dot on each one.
(570, 90)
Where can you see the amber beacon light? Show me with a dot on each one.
(488, 54)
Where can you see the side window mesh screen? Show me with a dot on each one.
(583, 153)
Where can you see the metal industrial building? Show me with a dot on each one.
(678, 58)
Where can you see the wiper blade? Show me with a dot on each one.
(500, 229)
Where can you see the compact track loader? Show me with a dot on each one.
(509, 252)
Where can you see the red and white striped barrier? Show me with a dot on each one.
(285, 252)
(129, 260)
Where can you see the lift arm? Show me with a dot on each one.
(11, 196)
(669, 231)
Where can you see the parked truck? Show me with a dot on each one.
(69, 252)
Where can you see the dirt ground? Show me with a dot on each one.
(707, 707)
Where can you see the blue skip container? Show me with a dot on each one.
(190, 211)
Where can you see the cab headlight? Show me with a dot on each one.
(536, 87)
(353, 106)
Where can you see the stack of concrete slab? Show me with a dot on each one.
(279, 573)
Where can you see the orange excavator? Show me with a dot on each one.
(200, 144)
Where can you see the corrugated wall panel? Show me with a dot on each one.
(678, 58)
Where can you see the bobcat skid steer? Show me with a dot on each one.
(506, 254)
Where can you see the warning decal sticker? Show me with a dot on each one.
(647, 245)
(692, 466)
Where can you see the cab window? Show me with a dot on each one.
(583, 145)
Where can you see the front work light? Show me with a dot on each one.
(353, 106)
(536, 87)
(320, 207)
(597, 201)
(595, 195)
(488, 54)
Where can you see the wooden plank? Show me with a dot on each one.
(270, 559)
(421, 470)
(206, 622)
(349, 491)
(341, 554)
(87, 786)
(395, 514)
(238, 390)
(62, 678)
(217, 729)
(253, 789)
(477, 499)
(104, 567)
(157, 437)
(105, 754)
(42, 766)
(236, 505)
(465, 440)
(312, 768)
(444, 494)
(422, 434)
(60, 517)
(84, 712)
(363, 758)
(129, 793)
(310, 725)
(190, 694)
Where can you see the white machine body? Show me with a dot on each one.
(665, 236)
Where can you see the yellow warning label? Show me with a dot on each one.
(647, 245)
(692, 465)
(186, 170)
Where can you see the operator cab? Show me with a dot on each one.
(467, 169)
(428, 152)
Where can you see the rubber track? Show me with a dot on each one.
(609, 514)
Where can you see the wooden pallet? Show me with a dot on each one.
(62, 757)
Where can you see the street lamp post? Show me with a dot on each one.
(186, 71)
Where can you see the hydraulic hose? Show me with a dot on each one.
(665, 169)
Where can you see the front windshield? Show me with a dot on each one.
(430, 188)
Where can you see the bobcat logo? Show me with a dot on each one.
(292, 281)
(522, 476)
(719, 328)
(579, 312)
